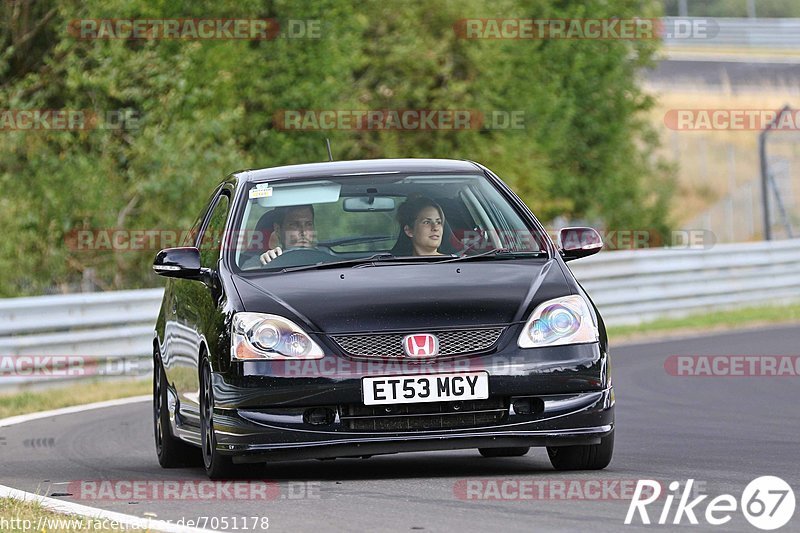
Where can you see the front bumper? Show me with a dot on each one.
(263, 435)
(262, 415)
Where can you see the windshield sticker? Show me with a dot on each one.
(261, 192)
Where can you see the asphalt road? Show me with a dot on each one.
(721, 431)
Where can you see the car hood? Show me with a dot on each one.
(406, 297)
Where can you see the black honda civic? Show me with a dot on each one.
(356, 308)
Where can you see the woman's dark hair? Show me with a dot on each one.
(408, 210)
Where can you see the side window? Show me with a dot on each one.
(212, 236)
(190, 238)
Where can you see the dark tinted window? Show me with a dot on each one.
(212, 237)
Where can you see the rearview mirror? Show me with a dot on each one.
(178, 263)
(577, 242)
(368, 203)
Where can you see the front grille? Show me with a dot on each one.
(422, 416)
(453, 342)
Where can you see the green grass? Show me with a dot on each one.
(25, 517)
(18, 403)
(711, 320)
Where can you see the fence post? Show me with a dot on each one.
(762, 154)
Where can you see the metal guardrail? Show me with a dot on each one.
(102, 333)
(781, 33)
(629, 287)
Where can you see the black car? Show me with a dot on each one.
(355, 308)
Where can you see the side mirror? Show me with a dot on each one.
(574, 243)
(178, 263)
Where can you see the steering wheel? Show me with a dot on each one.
(299, 256)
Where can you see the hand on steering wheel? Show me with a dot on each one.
(297, 256)
(269, 255)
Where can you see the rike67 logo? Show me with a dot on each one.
(767, 502)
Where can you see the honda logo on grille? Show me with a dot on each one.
(421, 345)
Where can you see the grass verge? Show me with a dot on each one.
(708, 321)
(17, 516)
(14, 403)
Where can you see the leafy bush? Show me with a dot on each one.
(198, 110)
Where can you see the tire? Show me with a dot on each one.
(217, 466)
(171, 451)
(583, 457)
(516, 451)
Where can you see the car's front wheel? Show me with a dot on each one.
(514, 451)
(172, 452)
(583, 457)
(217, 466)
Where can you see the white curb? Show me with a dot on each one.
(60, 506)
(91, 513)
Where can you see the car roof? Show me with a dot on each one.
(361, 166)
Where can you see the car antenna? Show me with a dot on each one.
(328, 144)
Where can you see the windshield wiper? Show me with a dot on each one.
(409, 259)
(382, 256)
(350, 241)
(503, 253)
(387, 258)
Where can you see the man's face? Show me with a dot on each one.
(298, 230)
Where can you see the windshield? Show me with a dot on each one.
(290, 224)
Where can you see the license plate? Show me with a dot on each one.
(427, 388)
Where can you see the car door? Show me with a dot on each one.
(197, 316)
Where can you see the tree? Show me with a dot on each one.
(173, 117)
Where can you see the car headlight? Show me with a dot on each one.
(262, 336)
(565, 320)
